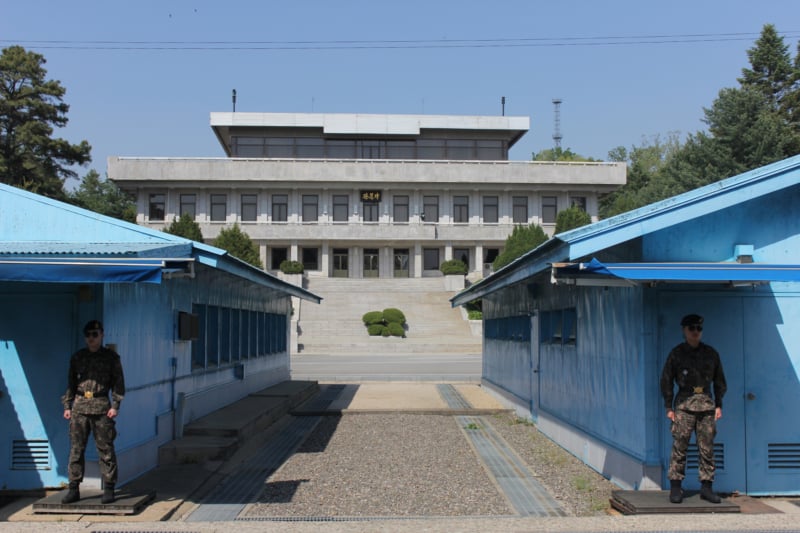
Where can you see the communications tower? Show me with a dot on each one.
(557, 129)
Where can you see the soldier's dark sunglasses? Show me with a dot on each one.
(93, 334)
(694, 328)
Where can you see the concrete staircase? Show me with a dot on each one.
(335, 326)
(219, 434)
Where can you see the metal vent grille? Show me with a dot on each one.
(781, 456)
(30, 455)
(693, 456)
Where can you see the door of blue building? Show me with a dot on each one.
(758, 441)
(723, 330)
(37, 333)
(772, 393)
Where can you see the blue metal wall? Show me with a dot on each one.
(605, 383)
(40, 326)
(141, 320)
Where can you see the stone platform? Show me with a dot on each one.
(127, 503)
(657, 502)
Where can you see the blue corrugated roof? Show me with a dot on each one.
(33, 225)
(590, 239)
(146, 249)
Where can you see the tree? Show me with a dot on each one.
(749, 126)
(644, 165)
(771, 72)
(522, 240)
(186, 227)
(572, 218)
(30, 108)
(239, 245)
(559, 154)
(104, 197)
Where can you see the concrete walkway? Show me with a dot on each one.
(184, 480)
(182, 487)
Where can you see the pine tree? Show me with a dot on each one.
(239, 245)
(572, 218)
(30, 108)
(104, 197)
(185, 227)
(771, 71)
(522, 240)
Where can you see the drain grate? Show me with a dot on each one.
(525, 493)
(244, 485)
(361, 518)
(452, 397)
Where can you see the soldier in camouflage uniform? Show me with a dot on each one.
(94, 373)
(695, 367)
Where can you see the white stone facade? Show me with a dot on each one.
(365, 217)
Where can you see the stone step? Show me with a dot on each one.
(335, 325)
(220, 433)
(389, 348)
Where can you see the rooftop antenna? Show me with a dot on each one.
(503, 104)
(557, 129)
(233, 97)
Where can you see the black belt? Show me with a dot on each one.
(694, 390)
(89, 394)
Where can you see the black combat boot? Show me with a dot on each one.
(675, 492)
(108, 494)
(73, 494)
(708, 494)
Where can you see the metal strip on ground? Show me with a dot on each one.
(452, 397)
(525, 493)
(244, 485)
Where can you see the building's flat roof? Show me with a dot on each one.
(367, 124)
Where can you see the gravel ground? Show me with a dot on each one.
(382, 465)
(407, 465)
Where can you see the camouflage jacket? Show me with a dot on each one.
(695, 371)
(92, 377)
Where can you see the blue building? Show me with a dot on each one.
(576, 331)
(196, 329)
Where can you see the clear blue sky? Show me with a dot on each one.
(143, 76)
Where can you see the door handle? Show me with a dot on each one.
(751, 396)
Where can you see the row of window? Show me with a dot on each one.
(431, 258)
(555, 327)
(227, 335)
(512, 328)
(559, 327)
(320, 148)
(370, 211)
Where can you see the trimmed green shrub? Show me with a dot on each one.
(396, 330)
(388, 322)
(453, 266)
(375, 329)
(291, 267)
(372, 317)
(475, 315)
(392, 315)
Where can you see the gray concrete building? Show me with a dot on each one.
(356, 195)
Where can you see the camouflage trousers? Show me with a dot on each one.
(104, 430)
(705, 427)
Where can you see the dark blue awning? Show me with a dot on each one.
(677, 272)
(82, 270)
